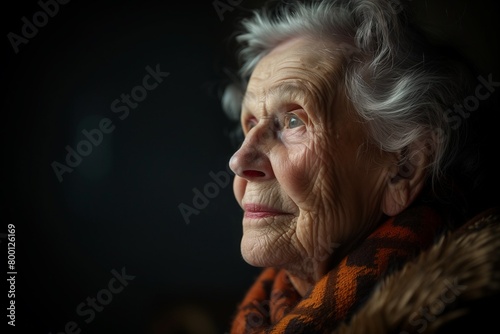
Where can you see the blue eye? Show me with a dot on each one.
(292, 121)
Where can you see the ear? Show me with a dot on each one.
(406, 179)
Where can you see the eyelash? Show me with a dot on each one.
(283, 123)
(288, 117)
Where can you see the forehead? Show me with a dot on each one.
(295, 66)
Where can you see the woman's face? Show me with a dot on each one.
(306, 177)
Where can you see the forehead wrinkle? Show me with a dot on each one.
(289, 89)
(283, 89)
(306, 77)
(291, 67)
(251, 99)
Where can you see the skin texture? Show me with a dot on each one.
(307, 177)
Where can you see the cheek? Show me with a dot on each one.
(296, 171)
(239, 186)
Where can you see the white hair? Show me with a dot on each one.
(392, 75)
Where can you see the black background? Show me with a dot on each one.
(119, 207)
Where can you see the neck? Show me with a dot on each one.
(301, 285)
(304, 282)
(304, 277)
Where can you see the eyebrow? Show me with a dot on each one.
(294, 90)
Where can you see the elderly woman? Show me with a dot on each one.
(344, 176)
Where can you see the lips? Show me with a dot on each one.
(253, 210)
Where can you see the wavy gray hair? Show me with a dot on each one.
(392, 75)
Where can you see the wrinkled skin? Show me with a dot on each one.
(308, 179)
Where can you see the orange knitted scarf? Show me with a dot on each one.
(272, 305)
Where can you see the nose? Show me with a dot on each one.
(251, 161)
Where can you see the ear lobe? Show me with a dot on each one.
(406, 180)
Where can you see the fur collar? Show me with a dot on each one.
(442, 287)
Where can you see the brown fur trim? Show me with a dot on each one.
(436, 288)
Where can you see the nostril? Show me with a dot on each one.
(253, 173)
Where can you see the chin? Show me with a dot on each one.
(259, 251)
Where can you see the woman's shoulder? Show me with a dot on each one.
(455, 284)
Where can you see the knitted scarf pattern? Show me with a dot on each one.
(272, 305)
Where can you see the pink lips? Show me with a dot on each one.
(253, 210)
